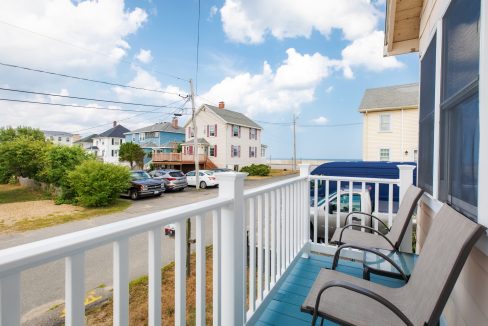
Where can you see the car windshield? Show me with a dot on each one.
(176, 174)
(209, 172)
(141, 175)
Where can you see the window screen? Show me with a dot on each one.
(426, 117)
(460, 107)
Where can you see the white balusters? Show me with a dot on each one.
(266, 242)
(273, 236)
(200, 270)
(316, 210)
(376, 202)
(390, 204)
(260, 248)
(326, 212)
(216, 266)
(252, 255)
(180, 273)
(154, 276)
(121, 282)
(10, 300)
(338, 205)
(75, 289)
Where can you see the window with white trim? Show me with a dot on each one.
(384, 154)
(385, 122)
(235, 131)
(211, 130)
(234, 151)
(253, 151)
(253, 133)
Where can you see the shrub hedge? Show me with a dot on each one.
(257, 169)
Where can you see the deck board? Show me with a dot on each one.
(284, 308)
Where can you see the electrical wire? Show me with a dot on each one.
(84, 49)
(73, 105)
(82, 98)
(85, 79)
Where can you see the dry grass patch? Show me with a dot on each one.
(33, 215)
(273, 173)
(138, 292)
(16, 193)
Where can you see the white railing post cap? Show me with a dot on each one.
(406, 167)
(304, 169)
(230, 175)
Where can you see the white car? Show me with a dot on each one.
(361, 202)
(206, 179)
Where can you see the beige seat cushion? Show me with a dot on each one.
(363, 239)
(346, 306)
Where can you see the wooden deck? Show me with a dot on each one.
(284, 309)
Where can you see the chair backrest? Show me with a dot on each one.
(447, 246)
(404, 215)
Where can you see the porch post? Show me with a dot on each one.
(406, 179)
(233, 244)
(305, 207)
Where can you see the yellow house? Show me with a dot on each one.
(390, 123)
(451, 37)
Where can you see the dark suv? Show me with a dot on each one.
(173, 179)
(143, 185)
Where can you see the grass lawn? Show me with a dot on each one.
(16, 193)
(24, 209)
(138, 292)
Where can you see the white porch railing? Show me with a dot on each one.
(275, 218)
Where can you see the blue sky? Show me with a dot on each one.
(268, 59)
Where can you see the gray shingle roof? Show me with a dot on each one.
(87, 139)
(116, 132)
(48, 133)
(160, 126)
(391, 97)
(233, 117)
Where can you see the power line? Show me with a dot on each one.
(85, 79)
(72, 105)
(82, 48)
(83, 98)
(198, 47)
(136, 115)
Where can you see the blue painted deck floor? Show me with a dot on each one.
(284, 309)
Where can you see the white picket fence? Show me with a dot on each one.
(257, 236)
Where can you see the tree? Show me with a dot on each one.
(9, 133)
(132, 153)
(22, 156)
(59, 161)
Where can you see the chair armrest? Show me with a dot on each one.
(368, 228)
(376, 252)
(370, 215)
(368, 293)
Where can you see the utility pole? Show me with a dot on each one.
(294, 142)
(195, 138)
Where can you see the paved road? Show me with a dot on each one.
(43, 286)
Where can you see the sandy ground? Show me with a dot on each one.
(13, 212)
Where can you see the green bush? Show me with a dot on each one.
(96, 184)
(23, 156)
(257, 169)
(59, 161)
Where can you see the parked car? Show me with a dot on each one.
(221, 170)
(361, 202)
(173, 179)
(143, 185)
(170, 230)
(207, 179)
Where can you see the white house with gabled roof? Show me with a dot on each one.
(234, 140)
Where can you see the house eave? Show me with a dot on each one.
(402, 26)
(408, 107)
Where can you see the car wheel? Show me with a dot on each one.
(203, 185)
(181, 189)
(134, 195)
(159, 195)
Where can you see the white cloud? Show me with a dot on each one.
(367, 52)
(144, 79)
(320, 120)
(292, 85)
(144, 56)
(329, 89)
(99, 26)
(251, 21)
(213, 12)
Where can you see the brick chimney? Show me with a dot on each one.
(174, 122)
(221, 105)
(115, 123)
